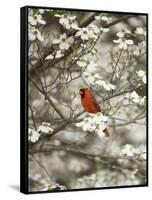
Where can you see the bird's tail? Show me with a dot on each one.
(106, 132)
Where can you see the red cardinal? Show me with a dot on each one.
(91, 105)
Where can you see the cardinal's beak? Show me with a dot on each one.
(80, 92)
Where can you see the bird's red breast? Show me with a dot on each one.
(88, 101)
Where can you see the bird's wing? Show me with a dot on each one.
(96, 104)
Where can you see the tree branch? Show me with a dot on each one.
(50, 148)
(54, 106)
(75, 119)
(49, 99)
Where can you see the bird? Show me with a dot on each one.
(90, 105)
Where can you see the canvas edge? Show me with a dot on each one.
(86, 10)
(23, 102)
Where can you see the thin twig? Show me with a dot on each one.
(32, 114)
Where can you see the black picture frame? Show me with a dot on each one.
(24, 99)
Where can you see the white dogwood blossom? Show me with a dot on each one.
(104, 30)
(91, 65)
(67, 21)
(103, 18)
(36, 19)
(136, 50)
(94, 78)
(53, 187)
(34, 34)
(33, 136)
(84, 33)
(122, 41)
(94, 122)
(90, 32)
(131, 150)
(63, 41)
(106, 85)
(41, 11)
(94, 31)
(90, 77)
(128, 150)
(87, 124)
(142, 75)
(45, 128)
(135, 98)
(140, 31)
(57, 54)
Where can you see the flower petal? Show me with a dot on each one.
(84, 37)
(49, 57)
(105, 30)
(39, 37)
(104, 18)
(59, 54)
(123, 45)
(41, 21)
(31, 36)
(117, 41)
(140, 73)
(97, 17)
(64, 45)
(32, 21)
(57, 15)
(72, 17)
(56, 41)
(120, 34)
(64, 21)
(129, 42)
(144, 79)
(75, 26)
(82, 63)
